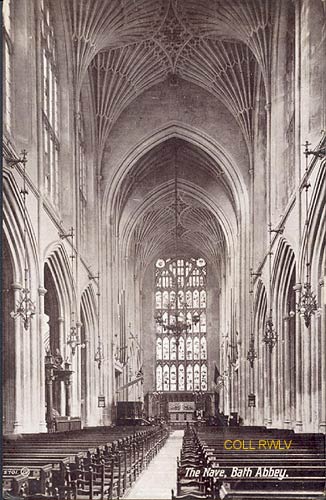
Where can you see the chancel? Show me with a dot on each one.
(163, 248)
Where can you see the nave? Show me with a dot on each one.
(200, 462)
(163, 243)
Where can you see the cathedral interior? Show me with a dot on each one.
(163, 215)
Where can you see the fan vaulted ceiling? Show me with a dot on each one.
(129, 46)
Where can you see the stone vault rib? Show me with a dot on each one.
(119, 76)
(226, 69)
(97, 25)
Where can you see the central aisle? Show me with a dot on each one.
(160, 477)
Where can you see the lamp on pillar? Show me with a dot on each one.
(270, 335)
(252, 353)
(73, 339)
(99, 355)
(307, 305)
(25, 307)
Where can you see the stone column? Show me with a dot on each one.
(43, 324)
(18, 411)
(68, 396)
(298, 381)
(286, 374)
(62, 346)
(322, 350)
(49, 377)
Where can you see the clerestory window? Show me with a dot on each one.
(49, 104)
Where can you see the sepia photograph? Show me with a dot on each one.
(163, 250)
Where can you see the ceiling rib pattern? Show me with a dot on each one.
(198, 232)
(119, 76)
(227, 70)
(172, 37)
(213, 43)
(249, 21)
(97, 25)
(158, 164)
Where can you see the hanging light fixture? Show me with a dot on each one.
(307, 305)
(25, 307)
(73, 339)
(270, 336)
(99, 355)
(252, 353)
(177, 309)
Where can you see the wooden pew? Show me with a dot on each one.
(304, 461)
(105, 458)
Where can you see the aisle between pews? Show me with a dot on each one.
(160, 477)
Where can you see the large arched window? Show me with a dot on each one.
(49, 104)
(181, 357)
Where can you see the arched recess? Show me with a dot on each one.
(52, 340)
(59, 303)
(88, 369)
(284, 359)
(21, 346)
(57, 276)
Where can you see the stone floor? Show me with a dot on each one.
(160, 477)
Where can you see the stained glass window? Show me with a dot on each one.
(159, 351)
(166, 350)
(181, 357)
(189, 348)
(173, 349)
(181, 349)
(189, 378)
(173, 378)
(203, 348)
(181, 370)
(159, 377)
(203, 377)
(196, 377)
(166, 378)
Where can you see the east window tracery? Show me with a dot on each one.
(180, 295)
